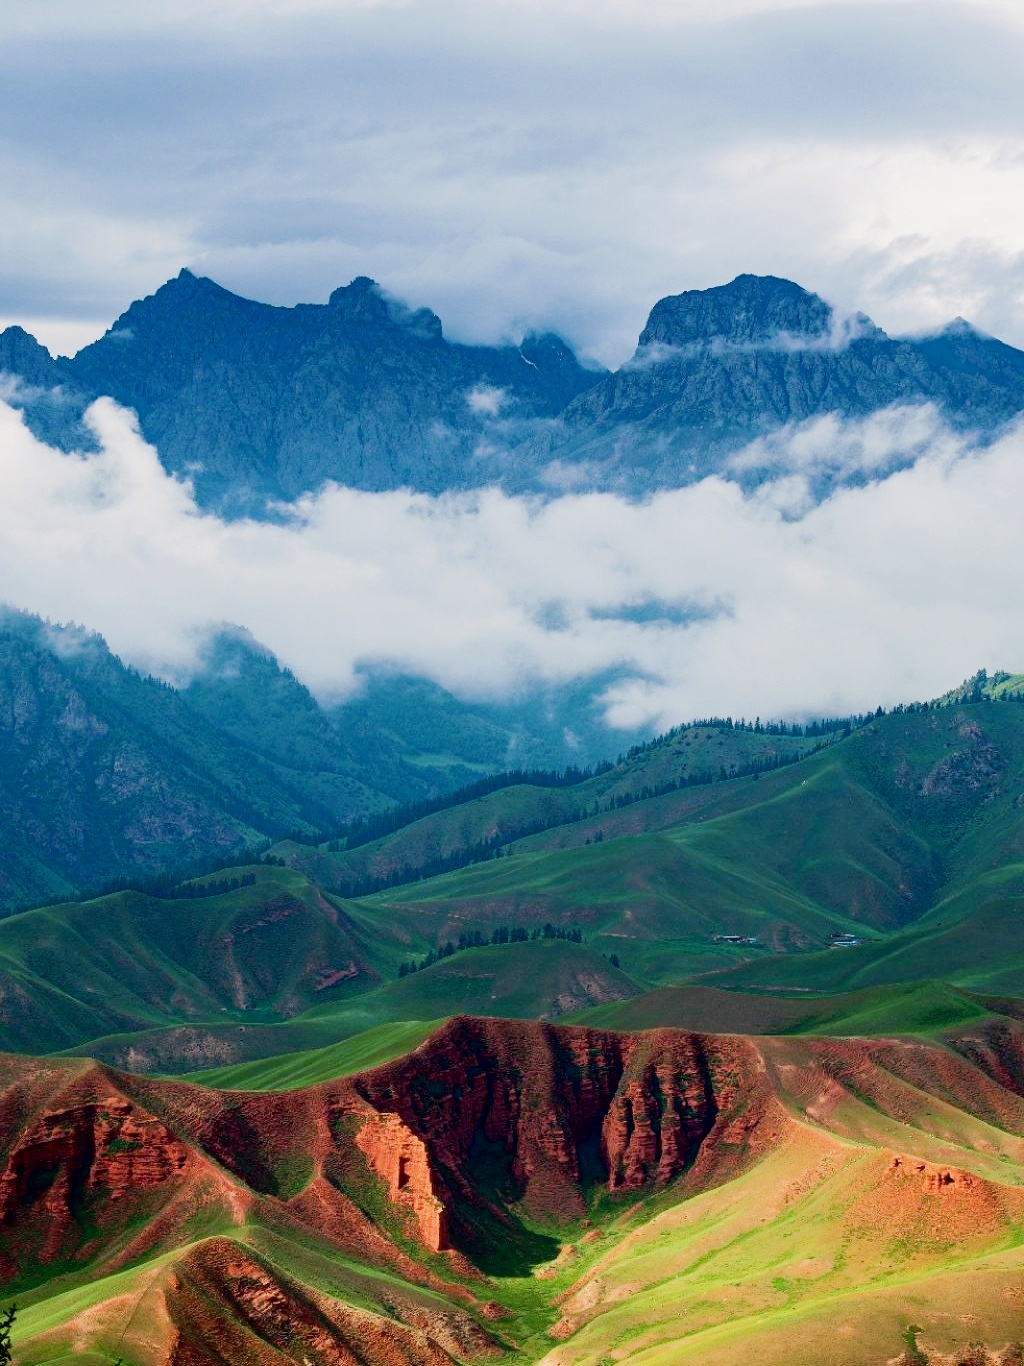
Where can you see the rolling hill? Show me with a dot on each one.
(903, 835)
(612, 1089)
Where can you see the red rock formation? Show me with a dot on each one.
(226, 1305)
(487, 1114)
(401, 1160)
(99, 1145)
(549, 1110)
(935, 1180)
(546, 1096)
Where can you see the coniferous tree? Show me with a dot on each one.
(6, 1329)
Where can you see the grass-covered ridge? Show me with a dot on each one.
(907, 836)
(295, 1070)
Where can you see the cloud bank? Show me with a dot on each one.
(712, 599)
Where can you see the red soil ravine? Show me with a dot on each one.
(103, 1167)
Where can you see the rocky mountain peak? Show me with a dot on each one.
(751, 310)
(363, 301)
(22, 355)
(960, 327)
(187, 285)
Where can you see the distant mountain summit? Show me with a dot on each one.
(257, 402)
(261, 401)
(717, 368)
(752, 310)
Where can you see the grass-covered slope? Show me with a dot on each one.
(907, 835)
(538, 980)
(928, 1008)
(312, 1066)
(911, 823)
(129, 961)
(690, 755)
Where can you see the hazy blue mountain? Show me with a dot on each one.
(107, 773)
(261, 402)
(30, 379)
(272, 401)
(548, 726)
(716, 368)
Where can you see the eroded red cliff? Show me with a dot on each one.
(561, 1108)
(400, 1159)
(93, 1141)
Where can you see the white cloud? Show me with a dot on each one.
(899, 434)
(486, 400)
(885, 592)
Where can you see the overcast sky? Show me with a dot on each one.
(560, 163)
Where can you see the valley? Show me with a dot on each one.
(402, 1016)
(232, 1114)
(528, 1193)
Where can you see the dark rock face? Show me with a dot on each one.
(273, 401)
(557, 1107)
(104, 772)
(258, 402)
(22, 355)
(717, 368)
(753, 310)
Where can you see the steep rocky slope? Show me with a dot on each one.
(105, 772)
(717, 368)
(361, 389)
(506, 1187)
(369, 393)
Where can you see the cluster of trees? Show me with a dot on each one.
(502, 934)
(7, 1318)
(366, 829)
(753, 768)
(194, 891)
(170, 884)
(831, 726)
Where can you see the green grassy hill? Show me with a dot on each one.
(907, 835)
(926, 1008)
(292, 1071)
(133, 962)
(693, 753)
(910, 827)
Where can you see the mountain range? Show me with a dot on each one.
(732, 857)
(711, 1054)
(404, 1032)
(257, 403)
(106, 773)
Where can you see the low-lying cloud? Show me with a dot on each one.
(897, 435)
(766, 603)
